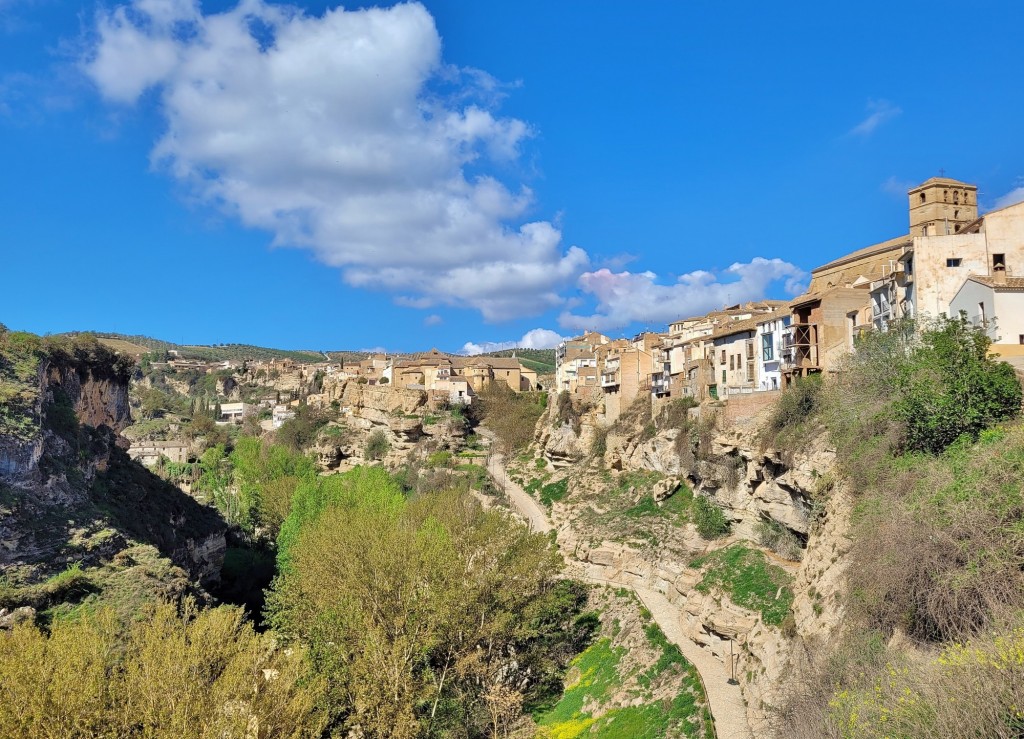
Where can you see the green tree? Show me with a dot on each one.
(949, 386)
(418, 609)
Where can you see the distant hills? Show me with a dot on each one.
(542, 361)
(138, 345)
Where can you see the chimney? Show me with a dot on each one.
(999, 274)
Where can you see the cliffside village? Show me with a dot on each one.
(950, 261)
(447, 379)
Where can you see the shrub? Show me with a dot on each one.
(798, 402)
(165, 675)
(950, 387)
(774, 536)
(377, 445)
(709, 519)
(599, 442)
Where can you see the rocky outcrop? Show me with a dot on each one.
(98, 399)
(560, 444)
(758, 490)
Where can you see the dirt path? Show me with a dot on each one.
(724, 699)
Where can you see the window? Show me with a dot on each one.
(956, 197)
(732, 361)
(723, 356)
(953, 262)
(723, 377)
(767, 347)
(922, 197)
(999, 262)
(981, 312)
(1022, 338)
(956, 213)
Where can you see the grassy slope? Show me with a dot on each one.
(598, 703)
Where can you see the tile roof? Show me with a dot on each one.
(867, 251)
(1010, 283)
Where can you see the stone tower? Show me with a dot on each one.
(942, 206)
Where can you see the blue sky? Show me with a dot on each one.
(449, 172)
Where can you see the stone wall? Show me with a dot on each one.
(745, 406)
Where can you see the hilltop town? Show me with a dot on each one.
(743, 522)
(950, 262)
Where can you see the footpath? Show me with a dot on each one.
(725, 700)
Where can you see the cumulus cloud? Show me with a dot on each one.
(1011, 198)
(628, 297)
(538, 338)
(879, 111)
(433, 320)
(345, 134)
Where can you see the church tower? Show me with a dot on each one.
(942, 206)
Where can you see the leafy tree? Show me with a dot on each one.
(949, 386)
(418, 610)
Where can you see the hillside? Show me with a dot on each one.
(136, 345)
(542, 361)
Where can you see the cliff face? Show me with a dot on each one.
(69, 494)
(765, 497)
(406, 417)
(98, 399)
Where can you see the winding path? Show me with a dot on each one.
(724, 699)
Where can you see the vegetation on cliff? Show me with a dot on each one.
(22, 357)
(925, 430)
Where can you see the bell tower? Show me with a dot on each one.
(941, 206)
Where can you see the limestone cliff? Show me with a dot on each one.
(407, 418)
(773, 505)
(69, 494)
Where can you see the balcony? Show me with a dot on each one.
(800, 348)
(610, 379)
(660, 383)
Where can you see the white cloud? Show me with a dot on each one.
(897, 187)
(538, 338)
(1011, 198)
(879, 111)
(433, 320)
(628, 297)
(333, 134)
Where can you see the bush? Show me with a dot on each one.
(798, 402)
(951, 387)
(599, 442)
(774, 536)
(165, 675)
(709, 519)
(377, 446)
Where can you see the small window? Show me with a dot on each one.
(1021, 338)
(723, 377)
(956, 213)
(922, 197)
(732, 361)
(953, 262)
(956, 197)
(723, 356)
(945, 195)
(981, 312)
(767, 348)
(999, 262)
